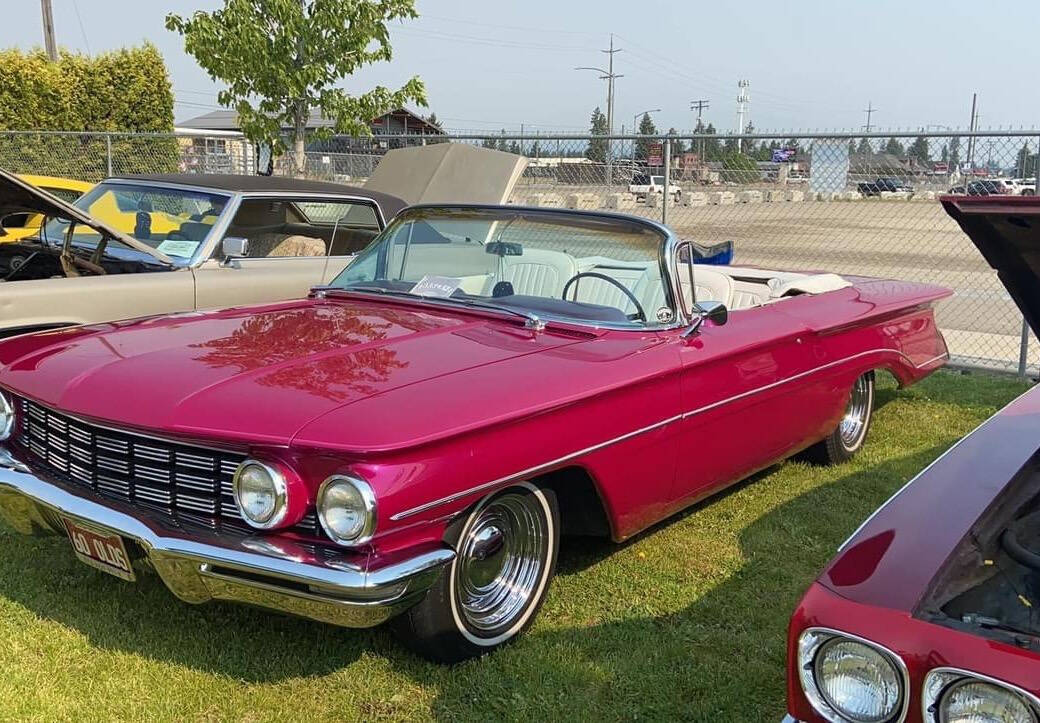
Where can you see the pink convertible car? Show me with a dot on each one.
(413, 441)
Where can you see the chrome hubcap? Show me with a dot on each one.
(855, 420)
(501, 559)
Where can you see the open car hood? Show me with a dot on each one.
(448, 172)
(18, 196)
(1006, 229)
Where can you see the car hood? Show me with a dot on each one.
(19, 196)
(258, 374)
(1006, 229)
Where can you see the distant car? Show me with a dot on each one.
(928, 613)
(21, 224)
(1008, 186)
(981, 187)
(889, 184)
(644, 184)
(1026, 186)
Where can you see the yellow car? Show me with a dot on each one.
(20, 225)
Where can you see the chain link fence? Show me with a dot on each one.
(848, 203)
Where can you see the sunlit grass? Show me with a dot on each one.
(686, 621)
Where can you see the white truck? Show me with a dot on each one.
(644, 184)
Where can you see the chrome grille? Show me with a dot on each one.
(182, 480)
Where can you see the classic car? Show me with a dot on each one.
(928, 612)
(412, 440)
(19, 225)
(153, 244)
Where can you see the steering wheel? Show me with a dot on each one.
(640, 314)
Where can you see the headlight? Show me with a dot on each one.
(6, 417)
(347, 509)
(260, 493)
(957, 696)
(850, 679)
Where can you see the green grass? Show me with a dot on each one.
(685, 621)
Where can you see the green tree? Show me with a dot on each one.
(1025, 162)
(536, 149)
(432, 120)
(712, 146)
(864, 148)
(739, 168)
(894, 148)
(678, 147)
(597, 150)
(918, 151)
(955, 152)
(648, 129)
(282, 59)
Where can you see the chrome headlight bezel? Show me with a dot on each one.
(941, 681)
(368, 507)
(7, 416)
(281, 495)
(812, 640)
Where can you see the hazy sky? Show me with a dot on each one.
(494, 64)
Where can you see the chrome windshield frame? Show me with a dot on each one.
(666, 253)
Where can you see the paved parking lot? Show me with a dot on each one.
(911, 240)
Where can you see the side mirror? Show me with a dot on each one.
(713, 311)
(234, 247)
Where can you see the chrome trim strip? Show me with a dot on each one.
(684, 415)
(926, 704)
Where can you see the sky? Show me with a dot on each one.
(812, 65)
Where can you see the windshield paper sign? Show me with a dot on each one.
(437, 286)
(178, 247)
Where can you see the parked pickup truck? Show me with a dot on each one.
(884, 183)
(644, 184)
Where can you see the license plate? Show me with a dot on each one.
(100, 550)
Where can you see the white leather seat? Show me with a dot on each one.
(710, 285)
(539, 272)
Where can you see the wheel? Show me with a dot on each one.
(1028, 192)
(506, 549)
(847, 438)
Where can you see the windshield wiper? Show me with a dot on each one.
(531, 320)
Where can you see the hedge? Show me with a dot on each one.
(125, 90)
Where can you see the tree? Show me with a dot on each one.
(918, 151)
(712, 147)
(678, 147)
(597, 150)
(864, 148)
(646, 128)
(894, 148)
(955, 152)
(281, 59)
(739, 168)
(536, 149)
(1025, 163)
(432, 120)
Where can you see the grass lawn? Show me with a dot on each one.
(685, 621)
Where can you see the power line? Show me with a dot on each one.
(869, 110)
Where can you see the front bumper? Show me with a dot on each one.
(198, 565)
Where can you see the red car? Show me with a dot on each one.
(414, 439)
(931, 610)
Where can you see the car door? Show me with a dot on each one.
(293, 244)
(748, 398)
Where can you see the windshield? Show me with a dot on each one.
(590, 269)
(174, 221)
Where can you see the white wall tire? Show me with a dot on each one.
(506, 550)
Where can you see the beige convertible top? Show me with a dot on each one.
(448, 172)
(18, 196)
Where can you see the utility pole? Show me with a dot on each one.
(743, 98)
(48, 30)
(610, 76)
(972, 128)
(699, 106)
(869, 110)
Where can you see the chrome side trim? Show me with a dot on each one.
(649, 428)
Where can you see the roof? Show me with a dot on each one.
(227, 120)
(389, 204)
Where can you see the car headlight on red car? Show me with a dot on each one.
(958, 696)
(261, 493)
(347, 509)
(6, 417)
(847, 678)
